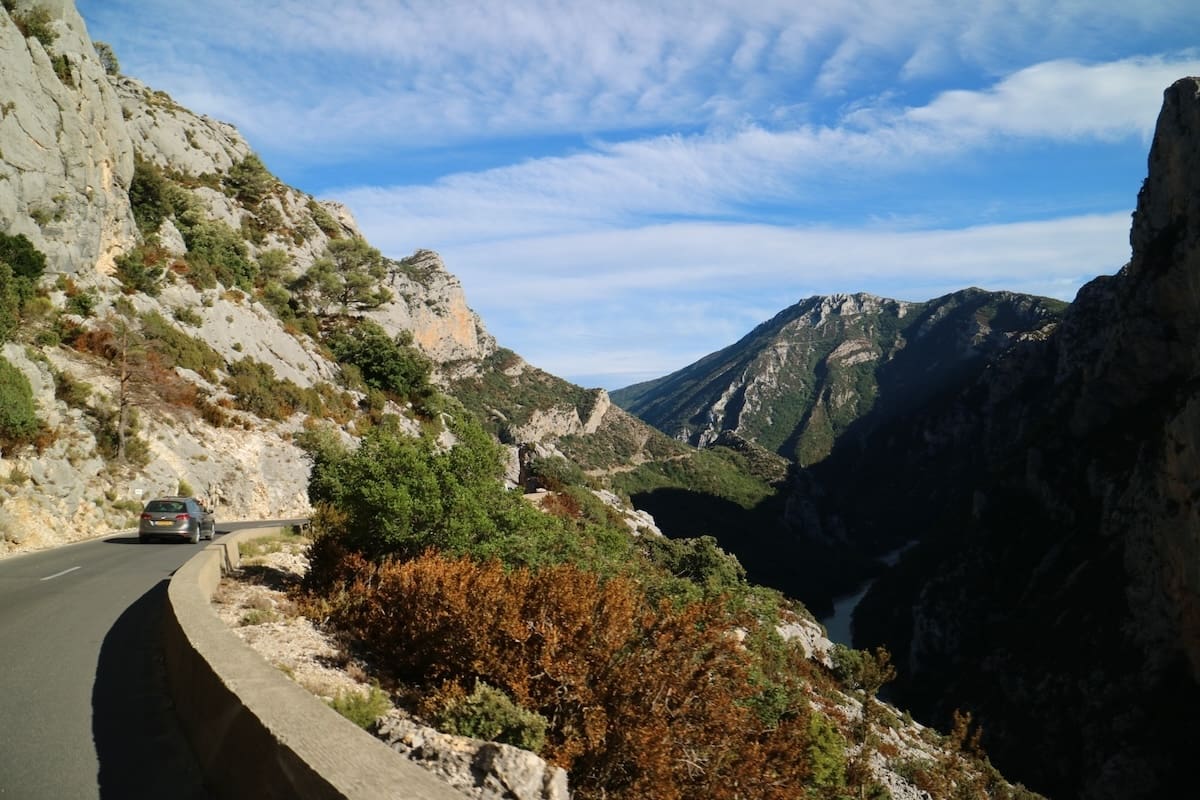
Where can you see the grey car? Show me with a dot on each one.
(176, 518)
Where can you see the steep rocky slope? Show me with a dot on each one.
(180, 337)
(1056, 588)
(74, 145)
(114, 181)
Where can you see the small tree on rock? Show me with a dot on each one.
(348, 276)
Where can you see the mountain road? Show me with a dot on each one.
(84, 707)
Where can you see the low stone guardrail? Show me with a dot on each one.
(256, 733)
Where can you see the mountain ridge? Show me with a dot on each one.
(795, 382)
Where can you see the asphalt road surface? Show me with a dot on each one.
(84, 710)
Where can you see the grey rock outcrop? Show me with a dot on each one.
(66, 155)
(481, 770)
(429, 303)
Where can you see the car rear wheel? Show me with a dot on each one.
(196, 535)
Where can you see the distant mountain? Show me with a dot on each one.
(811, 385)
(800, 381)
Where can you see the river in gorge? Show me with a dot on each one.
(838, 624)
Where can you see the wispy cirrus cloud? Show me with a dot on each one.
(630, 185)
(722, 175)
(612, 307)
(366, 73)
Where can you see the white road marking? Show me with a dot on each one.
(59, 574)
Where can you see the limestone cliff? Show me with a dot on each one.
(66, 154)
(1055, 591)
(72, 142)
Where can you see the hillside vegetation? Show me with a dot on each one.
(175, 318)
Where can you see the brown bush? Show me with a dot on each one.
(643, 701)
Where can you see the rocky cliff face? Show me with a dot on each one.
(70, 139)
(79, 151)
(1055, 590)
(67, 154)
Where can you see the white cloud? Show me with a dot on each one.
(642, 243)
(1061, 100)
(378, 73)
(723, 175)
(621, 303)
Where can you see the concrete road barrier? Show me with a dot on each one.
(256, 733)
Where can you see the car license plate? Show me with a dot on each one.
(164, 522)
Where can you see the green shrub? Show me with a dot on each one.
(699, 560)
(61, 63)
(27, 262)
(82, 303)
(274, 265)
(73, 392)
(149, 195)
(862, 669)
(278, 300)
(213, 244)
(256, 389)
(108, 58)
(382, 361)
(555, 472)
(36, 23)
(827, 752)
(249, 181)
(106, 420)
(10, 302)
(402, 495)
(362, 708)
(142, 269)
(324, 220)
(18, 415)
(488, 713)
(187, 316)
(178, 348)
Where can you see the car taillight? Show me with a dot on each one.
(146, 516)
(178, 517)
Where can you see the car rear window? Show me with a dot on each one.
(165, 505)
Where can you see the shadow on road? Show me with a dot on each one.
(141, 749)
(133, 539)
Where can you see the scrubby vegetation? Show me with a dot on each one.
(629, 649)
(34, 23)
(505, 398)
(21, 265)
(389, 364)
(18, 416)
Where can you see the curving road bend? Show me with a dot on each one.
(84, 710)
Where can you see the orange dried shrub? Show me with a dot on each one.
(562, 505)
(644, 701)
(98, 341)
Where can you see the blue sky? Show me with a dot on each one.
(624, 187)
